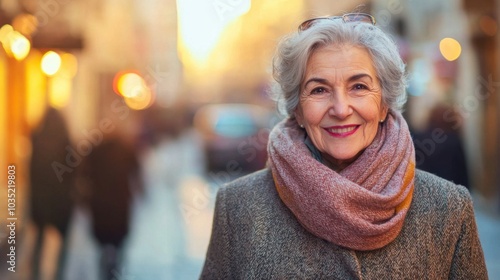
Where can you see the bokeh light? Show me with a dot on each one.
(141, 99)
(69, 65)
(36, 95)
(134, 89)
(19, 45)
(199, 31)
(129, 84)
(59, 91)
(51, 62)
(25, 23)
(450, 49)
(5, 30)
(14, 43)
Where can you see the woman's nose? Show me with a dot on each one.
(340, 105)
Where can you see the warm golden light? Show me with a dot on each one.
(51, 62)
(25, 23)
(59, 91)
(244, 46)
(36, 89)
(5, 31)
(69, 65)
(201, 23)
(130, 84)
(450, 49)
(14, 43)
(142, 99)
(19, 45)
(3, 115)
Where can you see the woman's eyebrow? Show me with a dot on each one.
(359, 77)
(317, 80)
(350, 79)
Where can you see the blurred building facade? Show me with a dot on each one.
(92, 41)
(109, 37)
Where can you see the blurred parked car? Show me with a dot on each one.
(234, 136)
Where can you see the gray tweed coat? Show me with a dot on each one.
(255, 236)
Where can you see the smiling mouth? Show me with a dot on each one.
(342, 131)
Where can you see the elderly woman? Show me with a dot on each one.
(340, 198)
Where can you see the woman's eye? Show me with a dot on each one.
(359, 86)
(319, 90)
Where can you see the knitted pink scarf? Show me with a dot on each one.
(362, 207)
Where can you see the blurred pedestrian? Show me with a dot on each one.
(341, 197)
(439, 147)
(111, 175)
(51, 195)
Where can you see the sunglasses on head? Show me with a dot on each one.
(351, 17)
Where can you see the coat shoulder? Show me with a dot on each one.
(257, 186)
(432, 190)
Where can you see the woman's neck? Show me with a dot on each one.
(336, 164)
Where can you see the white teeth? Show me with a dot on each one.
(342, 130)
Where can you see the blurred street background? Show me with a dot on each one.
(120, 119)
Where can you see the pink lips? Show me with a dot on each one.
(342, 131)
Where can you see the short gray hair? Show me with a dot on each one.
(293, 52)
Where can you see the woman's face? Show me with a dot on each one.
(340, 103)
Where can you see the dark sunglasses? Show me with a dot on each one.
(352, 17)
